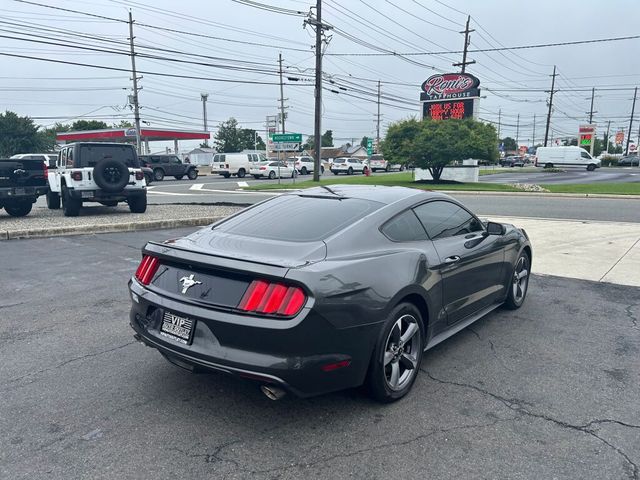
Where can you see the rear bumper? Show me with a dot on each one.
(287, 353)
(22, 193)
(101, 196)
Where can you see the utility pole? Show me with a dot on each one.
(591, 112)
(281, 94)
(518, 131)
(633, 111)
(378, 121)
(553, 84)
(533, 142)
(203, 97)
(136, 107)
(607, 140)
(499, 115)
(467, 42)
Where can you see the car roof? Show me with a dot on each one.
(377, 193)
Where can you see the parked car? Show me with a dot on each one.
(22, 181)
(572, 156)
(629, 161)
(348, 165)
(106, 173)
(512, 162)
(352, 294)
(168, 165)
(273, 170)
(148, 174)
(48, 158)
(239, 164)
(304, 164)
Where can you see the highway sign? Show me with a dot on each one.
(287, 137)
(286, 146)
(369, 146)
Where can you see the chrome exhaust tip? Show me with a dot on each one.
(272, 393)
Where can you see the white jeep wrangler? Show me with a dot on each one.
(106, 173)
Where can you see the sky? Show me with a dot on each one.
(232, 47)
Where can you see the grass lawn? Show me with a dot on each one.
(405, 179)
(498, 170)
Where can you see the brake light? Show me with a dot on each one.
(77, 176)
(263, 168)
(45, 170)
(272, 298)
(147, 269)
(139, 175)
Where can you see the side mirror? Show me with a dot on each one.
(494, 228)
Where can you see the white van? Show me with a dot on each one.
(227, 164)
(549, 157)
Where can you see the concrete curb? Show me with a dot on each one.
(108, 228)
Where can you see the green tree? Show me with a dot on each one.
(364, 141)
(250, 140)
(18, 135)
(509, 143)
(48, 136)
(433, 144)
(122, 124)
(89, 125)
(232, 138)
(327, 138)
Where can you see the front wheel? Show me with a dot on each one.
(321, 170)
(53, 200)
(350, 171)
(272, 175)
(158, 174)
(192, 174)
(303, 171)
(19, 209)
(397, 355)
(241, 173)
(519, 282)
(591, 167)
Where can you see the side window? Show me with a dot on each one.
(63, 157)
(585, 155)
(443, 219)
(176, 160)
(70, 158)
(404, 228)
(156, 160)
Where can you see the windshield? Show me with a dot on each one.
(90, 155)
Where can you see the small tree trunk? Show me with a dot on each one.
(435, 173)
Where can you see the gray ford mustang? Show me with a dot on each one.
(328, 288)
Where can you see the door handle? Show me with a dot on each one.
(452, 259)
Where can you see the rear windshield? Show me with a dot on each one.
(92, 154)
(299, 218)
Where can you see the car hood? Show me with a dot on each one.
(252, 249)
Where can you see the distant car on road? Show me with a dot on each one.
(348, 165)
(304, 164)
(227, 164)
(629, 161)
(569, 156)
(377, 162)
(272, 170)
(49, 159)
(512, 162)
(168, 165)
(22, 181)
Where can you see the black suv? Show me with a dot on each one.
(168, 165)
(22, 180)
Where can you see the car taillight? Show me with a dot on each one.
(147, 269)
(77, 176)
(139, 175)
(272, 298)
(45, 170)
(263, 168)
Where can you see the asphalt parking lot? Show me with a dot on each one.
(549, 391)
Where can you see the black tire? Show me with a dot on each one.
(272, 175)
(350, 171)
(402, 168)
(241, 173)
(53, 200)
(138, 204)
(365, 170)
(388, 168)
(294, 173)
(178, 177)
(591, 167)
(321, 170)
(19, 208)
(518, 282)
(303, 171)
(111, 175)
(147, 178)
(70, 206)
(335, 173)
(548, 165)
(158, 174)
(226, 175)
(395, 363)
(192, 174)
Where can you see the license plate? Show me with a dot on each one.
(177, 328)
(87, 194)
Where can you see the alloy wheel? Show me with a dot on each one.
(520, 279)
(402, 350)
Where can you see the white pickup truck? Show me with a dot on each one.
(106, 173)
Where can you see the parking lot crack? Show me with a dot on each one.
(214, 456)
(518, 406)
(67, 362)
(631, 316)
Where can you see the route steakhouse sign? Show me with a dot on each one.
(286, 137)
(449, 95)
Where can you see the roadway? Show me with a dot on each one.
(570, 175)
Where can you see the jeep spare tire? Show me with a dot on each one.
(111, 175)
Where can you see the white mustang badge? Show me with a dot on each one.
(188, 282)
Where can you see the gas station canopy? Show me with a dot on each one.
(129, 135)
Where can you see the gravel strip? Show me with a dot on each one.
(42, 222)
